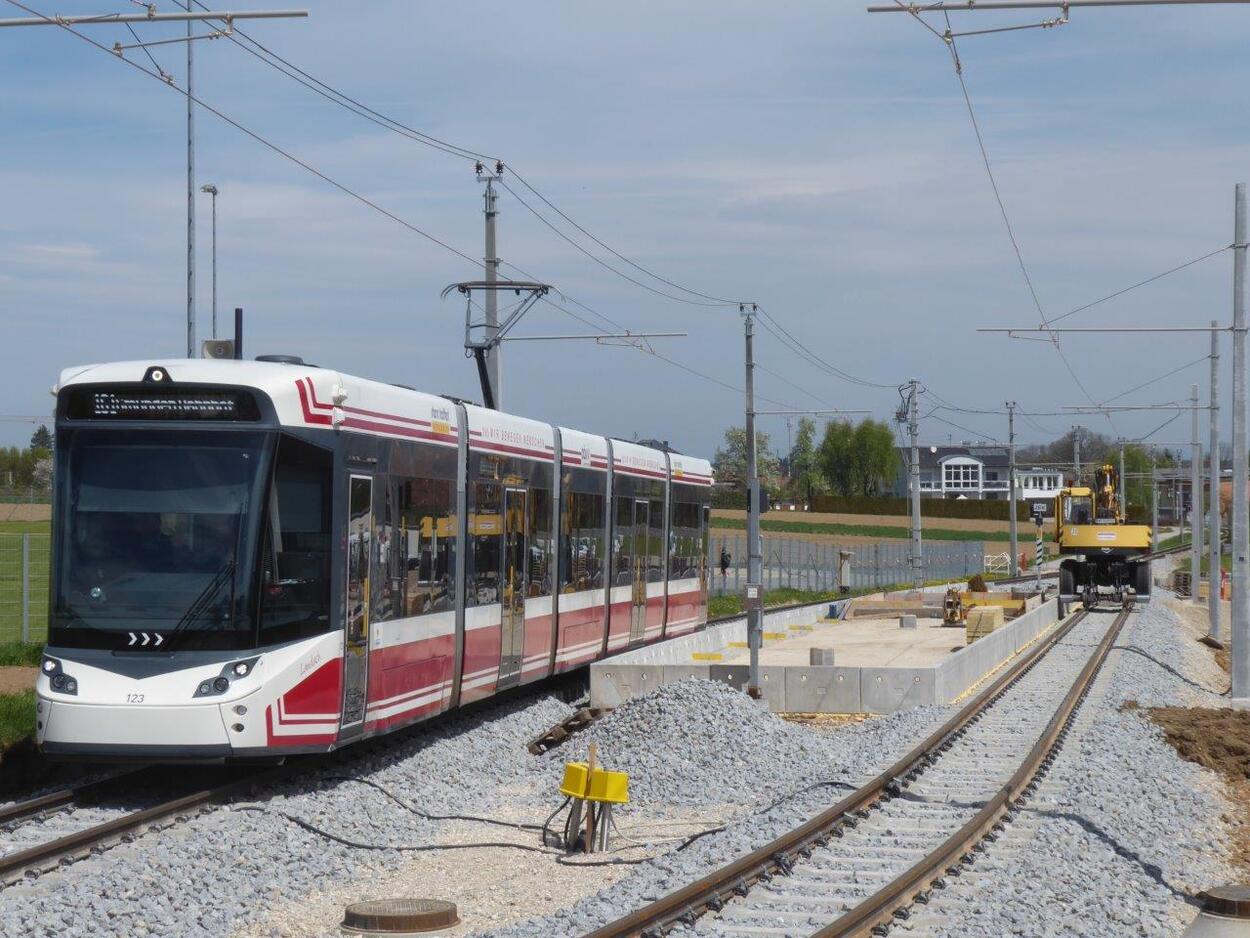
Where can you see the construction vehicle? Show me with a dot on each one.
(1104, 556)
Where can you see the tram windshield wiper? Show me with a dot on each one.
(203, 600)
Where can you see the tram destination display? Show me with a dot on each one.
(167, 403)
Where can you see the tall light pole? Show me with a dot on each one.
(210, 189)
(190, 192)
(1195, 499)
(913, 429)
(1011, 492)
(755, 589)
(1213, 500)
(1239, 624)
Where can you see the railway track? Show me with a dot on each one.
(864, 861)
(54, 829)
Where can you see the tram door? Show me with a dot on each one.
(512, 633)
(356, 640)
(638, 608)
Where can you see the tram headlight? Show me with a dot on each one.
(242, 668)
(62, 683)
(205, 688)
(51, 666)
(221, 685)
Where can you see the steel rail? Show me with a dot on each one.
(59, 798)
(49, 855)
(882, 905)
(711, 891)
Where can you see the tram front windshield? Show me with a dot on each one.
(155, 528)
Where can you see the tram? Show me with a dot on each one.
(256, 559)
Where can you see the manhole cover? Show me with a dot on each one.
(393, 917)
(1230, 901)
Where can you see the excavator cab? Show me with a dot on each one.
(1103, 556)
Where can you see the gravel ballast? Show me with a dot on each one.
(1122, 831)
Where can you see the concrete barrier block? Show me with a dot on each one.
(886, 690)
(671, 673)
(820, 657)
(907, 622)
(612, 684)
(772, 681)
(823, 690)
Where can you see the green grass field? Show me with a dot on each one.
(892, 532)
(17, 717)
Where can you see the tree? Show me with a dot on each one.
(41, 438)
(730, 462)
(806, 478)
(858, 460)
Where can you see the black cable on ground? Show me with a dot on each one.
(406, 848)
(435, 817)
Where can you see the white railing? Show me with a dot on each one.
(998, 563)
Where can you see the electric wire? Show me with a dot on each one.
(783, 335)
(1140, 283)
(977, 433)
(166, 80)
(1146, 384)
(308, 167)
(949, 41)
(284, 66)
(601, 262)
(332, 94)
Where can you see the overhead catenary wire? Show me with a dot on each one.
(1141, 283)
(949, 40)
(167, 80)
(332, 94)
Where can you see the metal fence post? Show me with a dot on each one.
(25, 588)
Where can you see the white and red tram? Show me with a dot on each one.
(261, 558)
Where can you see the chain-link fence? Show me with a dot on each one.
(798, 564)
(24, 587)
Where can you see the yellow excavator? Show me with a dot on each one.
(1103, 554)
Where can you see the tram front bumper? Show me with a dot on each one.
(149, 733)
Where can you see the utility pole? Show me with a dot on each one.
(1076, 454)
(212, 191)
(1239, 624)
(1213, 500)
(490, 260)
(1011, 494)
(190, 192)
(755, 589)
(1154, 498)
(1195, 499)
(913, 428)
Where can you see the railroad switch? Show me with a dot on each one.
(592, 791)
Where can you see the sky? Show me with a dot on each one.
(806, 156)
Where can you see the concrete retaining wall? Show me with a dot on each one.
(965, 667)
(632, 673)
(813, 689)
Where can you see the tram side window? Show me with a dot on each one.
(582, 555)
(425, 545)
(655, 542)
(684, 541)
(538, 543)
(623, 543)
(295, 551)
(485, 544)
